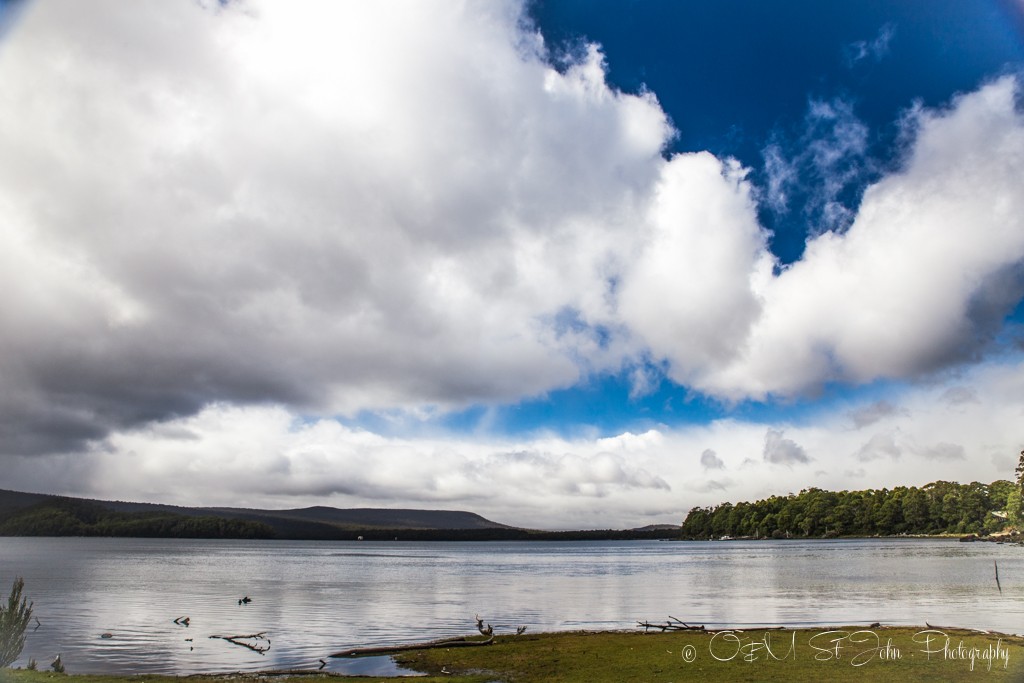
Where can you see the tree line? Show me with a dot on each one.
(941, 507)
(71, 517)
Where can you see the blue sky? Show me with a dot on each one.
(566, 264)
(754, 68)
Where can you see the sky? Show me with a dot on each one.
(565, 264)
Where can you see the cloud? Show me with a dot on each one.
(709, 460)
(867, 415)
(782, 174)
(349, 208)
(836, 146)
(779, 450)
(644, 380)
(921, 280)
(958, 395)
(339, 208)
(874, 50)
(687, 292)
(823, 168)
(268, 456)
(943, 451)
(713, 486)
(879, 446)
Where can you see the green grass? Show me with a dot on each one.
(794, 656)
(604, 656)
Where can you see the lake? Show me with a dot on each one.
(314, 598)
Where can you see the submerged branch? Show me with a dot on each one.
(240, 640)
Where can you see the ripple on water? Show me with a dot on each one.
(314, 598)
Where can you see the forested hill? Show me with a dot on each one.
(34, 514)
(939, 507)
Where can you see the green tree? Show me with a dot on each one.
(767, 526)
(784, 520)
(936, 492)
(889, 515)
(915, 511)
(697, 523)
(974, 507)
(1013, 506)
(951, 512)
(1018, 503)
(938, 507)
(1015, 497)
(720, 520)
(13, 622)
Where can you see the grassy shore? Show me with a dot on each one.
(836, 655)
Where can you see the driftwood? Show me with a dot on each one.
(672, 624)
(489, 631)
(240, 640)
(462, 641)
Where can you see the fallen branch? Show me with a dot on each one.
(678, 625)
(462, 641)
(240, 640)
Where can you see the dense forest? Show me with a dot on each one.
(73, 517)
(941, 507)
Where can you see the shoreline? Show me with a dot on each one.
(840, 653)
(441, 536)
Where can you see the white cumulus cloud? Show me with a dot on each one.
(922, 279)
(338, 206)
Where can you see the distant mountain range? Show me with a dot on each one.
(37, 514)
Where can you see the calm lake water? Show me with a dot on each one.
(314, 598)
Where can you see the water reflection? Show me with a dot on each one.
(313, 598)
(369, 666)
